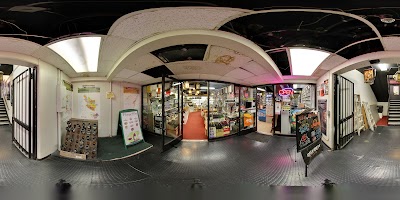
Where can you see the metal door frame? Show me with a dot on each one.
(25, 115)
(343, 111)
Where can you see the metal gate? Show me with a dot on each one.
(24, 112)
(344, 111)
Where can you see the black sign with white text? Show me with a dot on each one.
(311, 151)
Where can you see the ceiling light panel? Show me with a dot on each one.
(305, 61)
(81, 53)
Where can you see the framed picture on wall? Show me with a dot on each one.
(369, 75)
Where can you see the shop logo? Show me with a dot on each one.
(286, 92)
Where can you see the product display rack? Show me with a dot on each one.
(307, 97)
(81, 138)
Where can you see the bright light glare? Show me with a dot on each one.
(383, 66)
(81, 53)
(205, 88)
(295, 86)
(305, 61)
(261, 89)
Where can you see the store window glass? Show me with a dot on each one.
(224, 110)
(172, 107)
(152, 108)
(292, 99)
(247, 107)
(195, 110)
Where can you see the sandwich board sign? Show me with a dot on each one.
(129, 125)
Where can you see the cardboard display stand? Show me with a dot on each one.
(129, 127)
(80, 141)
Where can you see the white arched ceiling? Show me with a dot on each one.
(216, 38)
(26, 53)
(143, 24)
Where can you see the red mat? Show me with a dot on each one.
(383, 121)
(194, 128)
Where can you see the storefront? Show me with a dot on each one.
(198, 110)
(206, 110)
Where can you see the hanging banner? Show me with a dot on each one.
(129, 124)
(323, 115)
(131, 97)
(89, 101)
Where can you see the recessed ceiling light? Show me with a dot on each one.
(383, 66)
(81, 53)
(387, 20)
(305, 61)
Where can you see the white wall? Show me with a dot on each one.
(330, 129)
(385, 107)
(361, 88)
(109, 109)
(17, 70)
(47, 110)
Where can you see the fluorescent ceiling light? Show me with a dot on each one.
(261, 89)
(383, 66)
(81, 53)
(305, 61)
(295, 86)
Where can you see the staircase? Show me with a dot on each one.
(394, 113)
(3, 114)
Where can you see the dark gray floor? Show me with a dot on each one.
(370, 159)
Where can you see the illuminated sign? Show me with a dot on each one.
(286, 92)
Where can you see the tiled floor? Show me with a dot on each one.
(370, 159)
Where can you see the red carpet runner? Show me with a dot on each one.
(383, 121)
(194, 128)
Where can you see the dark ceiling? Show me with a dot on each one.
(43, 21)
(6, 69)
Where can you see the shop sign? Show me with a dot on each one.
(310, 152)
(286, 108)
(308, 130)
(286, 92)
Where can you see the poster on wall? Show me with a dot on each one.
(130, 124)
(278, 106)
(396, 90)
(66, 100)
(131, 97)
(323, 116)
(89, 101)
(369, 75)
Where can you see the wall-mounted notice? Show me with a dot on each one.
(130, 124)
(396, 90)
(131, 97)
(66, 100)
(89, 101)
(278, 107)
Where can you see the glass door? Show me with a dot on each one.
(265, 110)
(172, 113)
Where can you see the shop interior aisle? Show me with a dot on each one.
(194, 128)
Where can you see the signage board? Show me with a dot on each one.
(308, 130)
(311, 151)
(129, 124)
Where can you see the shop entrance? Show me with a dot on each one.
(195, 110)
(24, 112)
(265, 107)
(344, 111)
(290, 100)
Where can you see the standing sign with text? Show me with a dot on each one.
(130, 125)
(308, 136)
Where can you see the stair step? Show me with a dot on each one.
(4, 123)
(394, 115)
(394, 119)
(394, 123)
